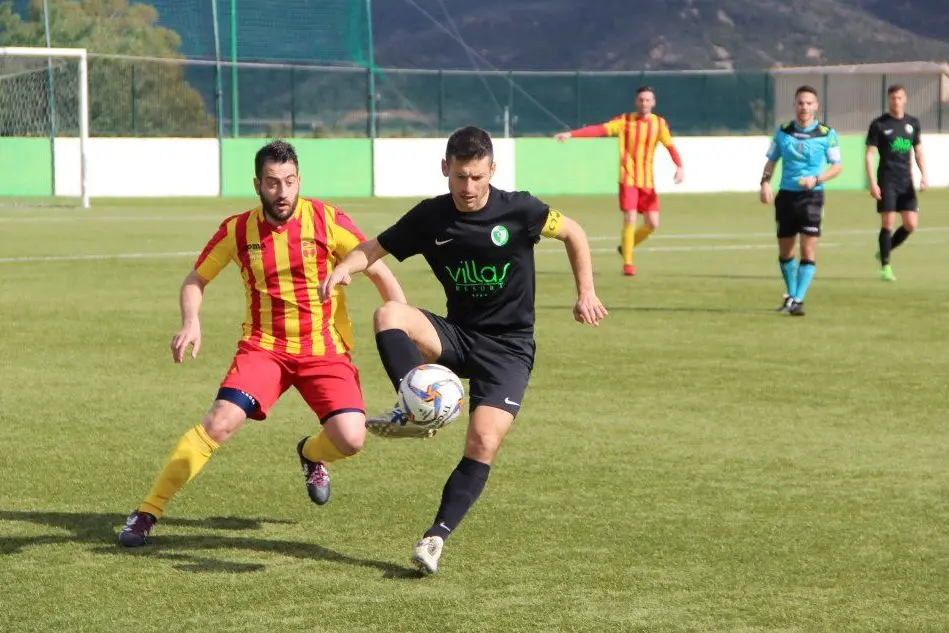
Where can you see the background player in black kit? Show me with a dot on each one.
(893, 135)
(479, 242)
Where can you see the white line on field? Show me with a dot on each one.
(79, 258)
(38, 259)
(140, 218)
(732, 236)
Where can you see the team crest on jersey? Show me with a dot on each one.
(909, 128)
(309, 249)
(499, 235)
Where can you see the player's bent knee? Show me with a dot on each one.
(392, 315)
(482, 447)
(347, 431)
(223, 420)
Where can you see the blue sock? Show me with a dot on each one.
(805, 273)
(789, 272)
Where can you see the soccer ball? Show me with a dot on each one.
(431, 396)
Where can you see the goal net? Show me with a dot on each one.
(44, 123)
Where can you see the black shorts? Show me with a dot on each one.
(897, 198)
(798, 212)
(498, 368)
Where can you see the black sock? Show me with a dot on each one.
(398, 353)
(462, 489)
(899, 236)
(886, 245)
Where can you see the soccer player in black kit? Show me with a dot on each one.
(893, 135)
(479, 242)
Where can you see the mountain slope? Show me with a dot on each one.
(661, 35)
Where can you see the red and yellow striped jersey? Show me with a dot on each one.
(638, 137)
(282, 269)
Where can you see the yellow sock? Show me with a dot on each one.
(322, 449)
(642, 233)
(186, 460)
(629, 230)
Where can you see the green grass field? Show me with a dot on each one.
(697, 463)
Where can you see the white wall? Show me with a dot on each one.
(131, 167)
(128, 167)
(412, 167)
(936, 150)
(713, 164)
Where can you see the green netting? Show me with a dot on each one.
(299, 101)
(539, 104)
(289, 30)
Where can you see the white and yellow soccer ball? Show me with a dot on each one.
(431, 396)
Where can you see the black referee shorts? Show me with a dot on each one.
(798, 212)
(498, 367)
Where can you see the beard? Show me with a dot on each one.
(272, 209)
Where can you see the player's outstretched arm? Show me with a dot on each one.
(385, 282)
(358, 260)
(588, 308)
(590, 131)
(192, 295)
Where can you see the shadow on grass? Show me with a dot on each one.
(184, 551)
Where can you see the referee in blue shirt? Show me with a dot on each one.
(811, 154)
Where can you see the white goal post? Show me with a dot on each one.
(29, 97)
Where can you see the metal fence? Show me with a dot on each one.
(151, 97)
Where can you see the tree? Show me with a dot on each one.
(126, 97)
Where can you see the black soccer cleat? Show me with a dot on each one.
(785, 304)
(316, 476)
(136, 529)
(796, 309)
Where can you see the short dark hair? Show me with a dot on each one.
(469, 143)
(643, 89)
(276, 151)
(806, 88)
(895, 88)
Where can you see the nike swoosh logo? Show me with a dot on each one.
(511, 402)
(440, 242)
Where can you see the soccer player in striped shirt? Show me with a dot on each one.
(639, 132)
(284, 248)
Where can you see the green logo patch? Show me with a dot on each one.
(901, 145)
(499, 235)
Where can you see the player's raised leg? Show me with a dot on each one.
(405, 338)
(486, 430)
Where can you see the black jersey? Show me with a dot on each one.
(483, 259)
(894, 138)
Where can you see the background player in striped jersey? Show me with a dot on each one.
(284, 248)
(639, 133)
